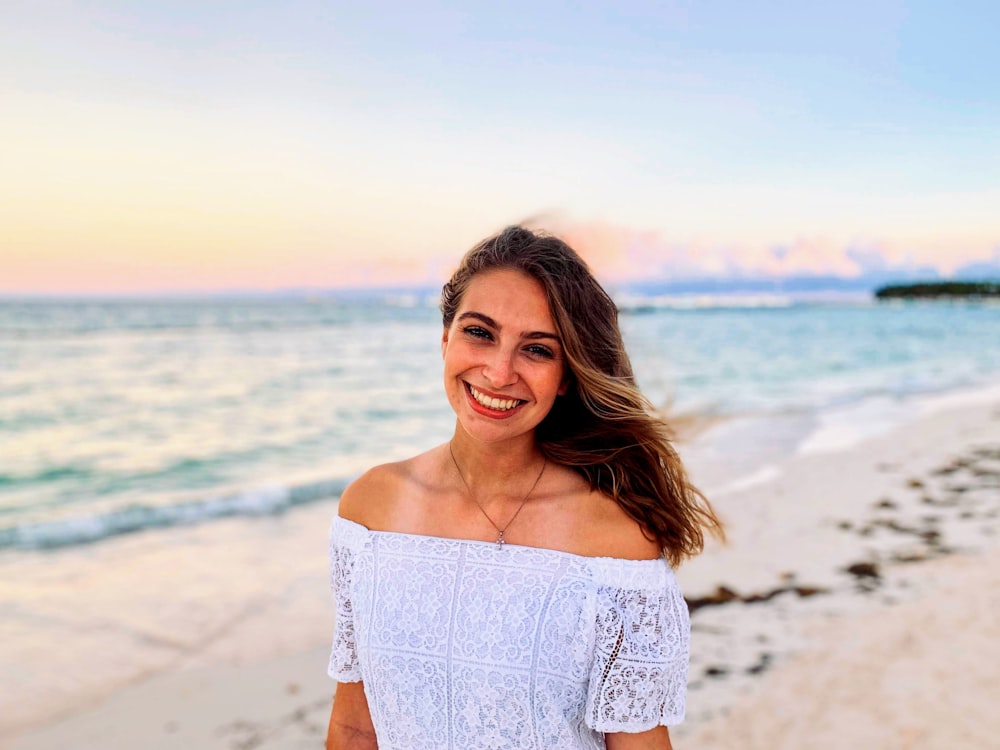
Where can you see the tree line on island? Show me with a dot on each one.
(939, 289)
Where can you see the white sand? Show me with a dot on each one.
(913, 663)
(87, 622)
(278, 703)
(789, 531)
(924, 675)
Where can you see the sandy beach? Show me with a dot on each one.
(854, 605)
(858, 588)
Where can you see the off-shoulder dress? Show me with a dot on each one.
(463, 644)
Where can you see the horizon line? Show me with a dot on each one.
(727, 284)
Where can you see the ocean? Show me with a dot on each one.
(127, 416)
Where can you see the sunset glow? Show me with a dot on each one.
(200, 149)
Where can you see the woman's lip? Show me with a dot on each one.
(491, 394)
(487, 411)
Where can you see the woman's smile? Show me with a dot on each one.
(503, 363)
(493, 406)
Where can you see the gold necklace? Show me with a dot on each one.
(500, 541)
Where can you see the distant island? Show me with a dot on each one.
(939, 289)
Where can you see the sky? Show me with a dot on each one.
(193, 146)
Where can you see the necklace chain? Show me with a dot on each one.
(500, 531)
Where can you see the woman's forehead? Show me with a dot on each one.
(510, 291)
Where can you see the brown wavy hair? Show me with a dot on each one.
(603, 427)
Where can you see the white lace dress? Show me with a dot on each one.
(464, 645)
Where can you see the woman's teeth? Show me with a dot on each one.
(493, 403)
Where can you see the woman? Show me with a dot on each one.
(512, 588)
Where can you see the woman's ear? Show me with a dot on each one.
(444, 342)
(564, 385)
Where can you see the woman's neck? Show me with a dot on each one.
(499, 467)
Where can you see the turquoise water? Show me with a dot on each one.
(119, 416)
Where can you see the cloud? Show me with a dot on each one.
(868, 259)
(621, 254)
(982, 269)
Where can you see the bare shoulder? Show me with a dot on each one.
(375, 498)
(623, 536)
(601, 527)
(362, 497)
(371, 497)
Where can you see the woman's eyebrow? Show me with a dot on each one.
(479, 316)
(493, 324)
(541, 335)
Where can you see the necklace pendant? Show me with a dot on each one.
(500, 541)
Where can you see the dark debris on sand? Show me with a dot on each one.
(925, 518)
(961, 490)
(725, 595)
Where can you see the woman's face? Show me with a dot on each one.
(503, 361)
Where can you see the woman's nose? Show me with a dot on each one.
(499, 370)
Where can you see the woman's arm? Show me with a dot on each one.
(351, 725)
(654, 739)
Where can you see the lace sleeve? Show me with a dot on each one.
(343, 656)
(639, 676)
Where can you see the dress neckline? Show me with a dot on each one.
(647, 562)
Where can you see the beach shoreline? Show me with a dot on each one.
(253, 675)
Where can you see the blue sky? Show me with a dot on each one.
(245, 145)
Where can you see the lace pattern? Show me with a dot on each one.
(463, 645)
(343, 656)
(639, 673)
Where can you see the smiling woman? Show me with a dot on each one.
(513, 587)
(502, 378)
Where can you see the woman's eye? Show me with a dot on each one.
(540, 351)
(477, 332)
